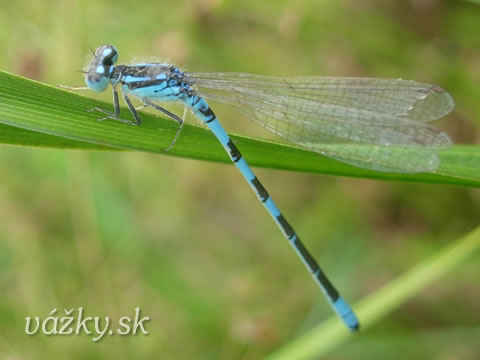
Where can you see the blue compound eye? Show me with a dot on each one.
(99, 70)
(97, 81)
(108, 55)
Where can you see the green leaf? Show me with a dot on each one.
(36, 114)
(331, 333)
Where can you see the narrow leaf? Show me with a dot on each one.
(36, 114)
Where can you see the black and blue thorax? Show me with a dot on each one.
(162, 82)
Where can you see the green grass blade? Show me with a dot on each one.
(331, 333)
(36, 114)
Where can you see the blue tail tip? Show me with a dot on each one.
(355, 326)
(351, 321)
(345, 312)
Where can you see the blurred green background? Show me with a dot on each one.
(187, 241)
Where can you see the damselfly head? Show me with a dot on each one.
(98, 71)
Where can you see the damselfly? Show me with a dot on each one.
(378, 124)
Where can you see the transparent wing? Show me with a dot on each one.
(377, 124)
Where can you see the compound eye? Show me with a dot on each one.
(94, 78)
(97, 81)
(109, 55)
(100, 68)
